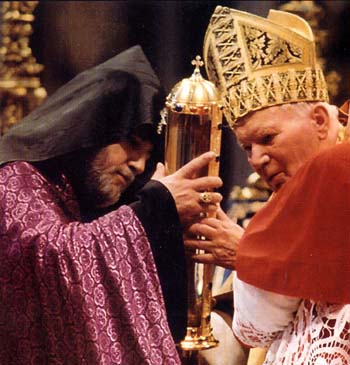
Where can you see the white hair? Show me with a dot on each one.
(301, 109)
(305, 107)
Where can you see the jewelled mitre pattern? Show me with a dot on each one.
(257, 62)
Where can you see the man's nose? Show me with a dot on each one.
(138, 164)
(258, 157)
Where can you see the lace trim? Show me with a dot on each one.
(319, 335)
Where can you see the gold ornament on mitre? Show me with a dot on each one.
(344, 119)
(258, 63)
(193, 120)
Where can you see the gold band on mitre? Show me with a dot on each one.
(257, 63)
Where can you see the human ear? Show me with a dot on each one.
(321, 120)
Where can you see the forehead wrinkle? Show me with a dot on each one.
(255, 132)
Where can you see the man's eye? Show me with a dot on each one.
(267, 139)
(247, 148)
(136, 144)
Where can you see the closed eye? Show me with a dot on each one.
(267, 139)
(141, 146)
(247, 148)
(264, 140)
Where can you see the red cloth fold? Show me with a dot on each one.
(299, 243)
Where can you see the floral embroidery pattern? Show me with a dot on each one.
(268, 49)
(74, 293)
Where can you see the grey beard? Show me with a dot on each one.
(100, 190)
(109, 193)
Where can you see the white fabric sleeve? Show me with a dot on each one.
(260, 315)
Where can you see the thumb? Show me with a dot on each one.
(160, 172)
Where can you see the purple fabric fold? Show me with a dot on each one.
(72, 292)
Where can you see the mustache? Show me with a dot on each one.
(127, 174)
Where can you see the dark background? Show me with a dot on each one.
(71, 36)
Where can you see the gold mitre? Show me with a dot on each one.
(258, 63)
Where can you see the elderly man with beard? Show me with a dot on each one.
(81, 280)
(291, 293)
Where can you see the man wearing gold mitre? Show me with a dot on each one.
(292, 292)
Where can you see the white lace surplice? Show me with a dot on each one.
(296, 332)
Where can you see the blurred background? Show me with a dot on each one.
(68, 37)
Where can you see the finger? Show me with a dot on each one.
(204, 258)
(193, 167)
(224, 217)
(210, 210)
(199, 229)
(160, 171)
(194, 229)
(198, 245)
(207, 258)
(212, 222)
(214, 198)
(206, 183)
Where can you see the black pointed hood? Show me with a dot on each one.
(99, 106)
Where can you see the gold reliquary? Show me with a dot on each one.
(193, 120)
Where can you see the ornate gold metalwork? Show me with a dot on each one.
(20, 87)
(314, 14)
(257, 62)
(344, 119)
(193, 118)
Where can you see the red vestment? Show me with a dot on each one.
(294, 264)
(299, 243)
